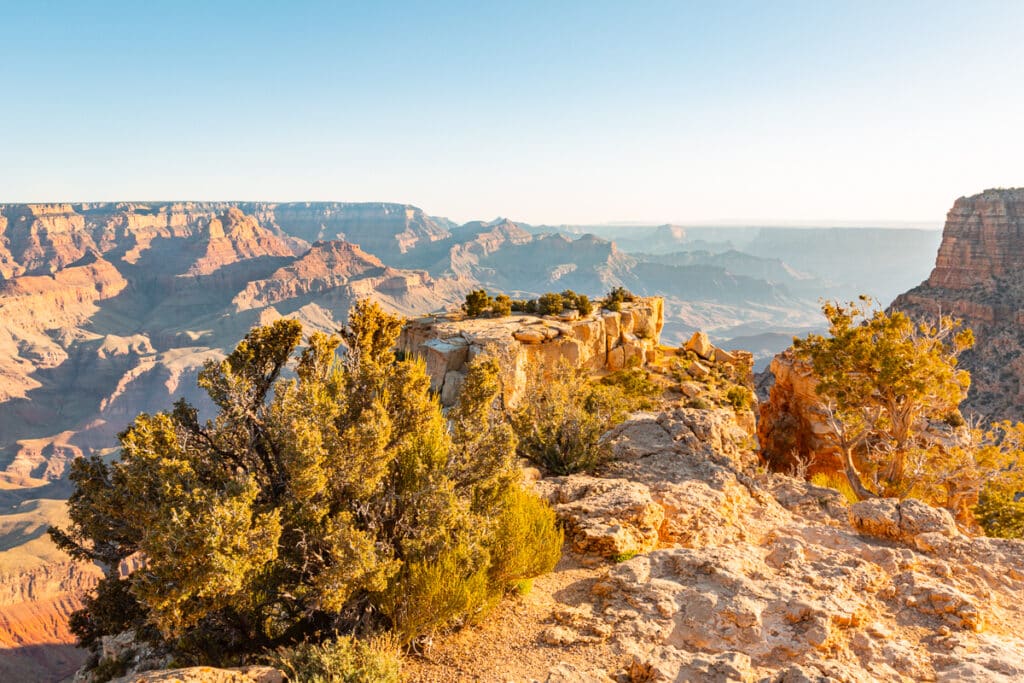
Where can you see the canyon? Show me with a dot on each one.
(111, 309)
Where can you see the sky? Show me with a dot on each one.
(545, 112)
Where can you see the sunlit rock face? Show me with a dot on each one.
(979, 277)
(605, 340)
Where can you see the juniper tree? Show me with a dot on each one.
(332, 502)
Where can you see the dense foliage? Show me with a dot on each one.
(561, 424)
(553, 303)
(338, 502)
(879, 375)
(883, 379)
(479, 302)
(616, 297)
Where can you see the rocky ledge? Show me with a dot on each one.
(605, 340)
(720, 573)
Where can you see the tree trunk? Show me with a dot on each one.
(853, 476)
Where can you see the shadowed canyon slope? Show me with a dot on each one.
(979, 277)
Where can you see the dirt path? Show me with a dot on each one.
(509, 645)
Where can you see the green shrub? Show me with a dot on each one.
(999, 514)
(477, 302)
(636, 386)
(739, 397)
(550, 304)
(502, 305)
(584, 306)
(616, 297)
(342, 660)
(338, 500)
(528, 542)
(699, 403)
(561, 422)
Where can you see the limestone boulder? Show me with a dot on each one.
(900, 520)
(700, 345)
(606, 517)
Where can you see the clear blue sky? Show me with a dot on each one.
(540, 111)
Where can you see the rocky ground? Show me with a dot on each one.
(684, 563)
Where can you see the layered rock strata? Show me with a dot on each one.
(606, 340)
(979, 277)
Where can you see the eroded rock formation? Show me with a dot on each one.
(979, 277)
(605, 340)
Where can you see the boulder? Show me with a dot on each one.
(900, 520)
(700, 345)
(698, 370)
(530, 335)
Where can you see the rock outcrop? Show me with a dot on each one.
(978, 278)
(685, 562)
(605, 340)
(792, 429)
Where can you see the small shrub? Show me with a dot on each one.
(343, 660)
(550, 304)
(584, 306)
(740, 398)
(999, 514)
(561, 424)
(636, 386)
(502, 306)
(837, 481)
(698, 403)
(528, 541)
(477, 302)
(624, 557)
(616, 297)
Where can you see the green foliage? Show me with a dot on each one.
(878, 375)
(740, 398)
(636, 387)
(584, 306)
(550, 304)
(477, 302)
(561, 422)
(1000, 514)
(623, 557)
(528, 542)
(341, 660)
(337, 500)
(616, 297)
(699, 404)
(502, 306)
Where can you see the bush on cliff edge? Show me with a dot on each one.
(340, 502)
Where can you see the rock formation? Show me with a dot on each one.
(792, 429)
(978, 277)
(605, 340)
(686, 564)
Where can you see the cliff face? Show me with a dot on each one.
(603, 341)
(979, 277)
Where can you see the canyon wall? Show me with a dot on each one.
(979, 277)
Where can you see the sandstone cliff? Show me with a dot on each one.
(605, 340)
(978, 277)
